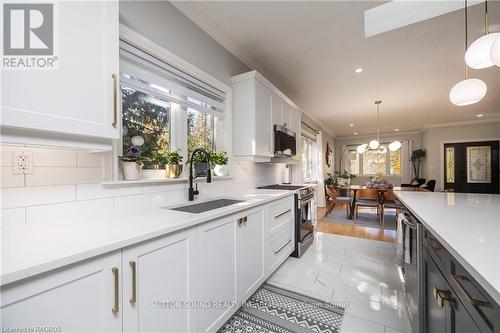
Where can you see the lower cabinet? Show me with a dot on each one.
(443, 311)
(84, 297)
(159, 284)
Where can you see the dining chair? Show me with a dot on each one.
(367, 198)
(391, 202)
(334, 197)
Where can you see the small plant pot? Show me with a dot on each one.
(221, 170)
(131, 170)
(173, 170)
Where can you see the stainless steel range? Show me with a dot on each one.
(305, 213)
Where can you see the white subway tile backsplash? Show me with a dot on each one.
(7, 153)
(48, 157)
(94, 191)
(8, 179)
(37, 195)
(129, 204)
(62, 175)
(12, 218)
(90, 160)
(68, 211)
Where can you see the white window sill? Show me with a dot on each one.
(162, 180)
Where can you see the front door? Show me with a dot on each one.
(471, 167)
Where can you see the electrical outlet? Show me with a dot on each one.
(22, 163)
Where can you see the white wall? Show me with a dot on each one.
(340, 142)
(434, 138)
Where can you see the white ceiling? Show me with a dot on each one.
(311, 49)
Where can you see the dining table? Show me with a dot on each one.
(380, 191)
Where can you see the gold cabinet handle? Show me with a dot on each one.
(116, 306)
(472, 300)
(280, 215)
(133, 265)
(242, 220)
(443, 297)
(115, 100)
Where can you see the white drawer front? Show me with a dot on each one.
(278, 214)
(280, 246)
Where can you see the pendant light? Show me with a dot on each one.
(375, 143)
(478, 55)
(467, 91)
(495, 52)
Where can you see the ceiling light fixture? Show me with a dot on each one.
(359, 70)
(396, 130)
(478, 55)
(495, 52)
(351, 125)
(355, 133)
(375, 143)
(480, 115)
(468, 91)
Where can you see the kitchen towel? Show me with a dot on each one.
(400, 233)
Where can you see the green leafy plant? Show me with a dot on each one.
(346, 175)
(173, 157)
(218, 158)
(416, 159)
(333, 180)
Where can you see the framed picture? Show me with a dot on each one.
(479, 164)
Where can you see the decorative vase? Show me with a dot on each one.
(173, 170)
(131, 170)
(221, 170)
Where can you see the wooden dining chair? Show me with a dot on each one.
(367, 198)
(333, 198)
(391, 202)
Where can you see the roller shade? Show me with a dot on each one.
(143, 72)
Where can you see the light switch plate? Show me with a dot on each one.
(22, 163)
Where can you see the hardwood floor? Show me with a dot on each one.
(354, 230)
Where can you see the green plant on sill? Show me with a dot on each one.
(173, 157)
(218, 158)
(346, 175)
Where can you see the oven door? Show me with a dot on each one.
(306, 218)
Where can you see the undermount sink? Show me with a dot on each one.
(207, 205)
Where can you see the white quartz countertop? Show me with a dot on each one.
(36, 249)
(468, 225)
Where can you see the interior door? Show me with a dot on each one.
(471, 167)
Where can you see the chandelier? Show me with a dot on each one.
(375, 143)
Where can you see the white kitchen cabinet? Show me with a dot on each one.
(159, 284)
(85, 297)
(216, 253)
(257, 107)
(80, 97)
(250, 253)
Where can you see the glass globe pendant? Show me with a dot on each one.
(467, 92)
(361, 149)
(374, 144)
(495, 51)
(478, 55)
(394, 145)
(382, 149)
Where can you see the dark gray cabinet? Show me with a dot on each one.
(452, 301)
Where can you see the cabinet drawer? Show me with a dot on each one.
(279, 213)
(279, 247)
(483, 309)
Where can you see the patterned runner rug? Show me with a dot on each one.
(275, 310)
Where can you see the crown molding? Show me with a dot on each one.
(382, 135)
(462, 123)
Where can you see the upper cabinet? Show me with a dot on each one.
(257, 107)
(81, 95)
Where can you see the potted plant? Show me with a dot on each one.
(132, 163)
(219, 161)
(173, 166)
(346, 177)
(416, 159)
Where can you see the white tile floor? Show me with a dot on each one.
(353, 271)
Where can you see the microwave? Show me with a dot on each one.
(285, 143)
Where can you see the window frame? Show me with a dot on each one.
(311, 163)
(387, 172)
(223, 129)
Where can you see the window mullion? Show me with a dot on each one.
(178, 129)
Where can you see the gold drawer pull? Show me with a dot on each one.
(116, 306)
(280, 215)
(443, 297)
(281, 248)
(115, 100)
(242, 220)
(472, 300)
(133, 265)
